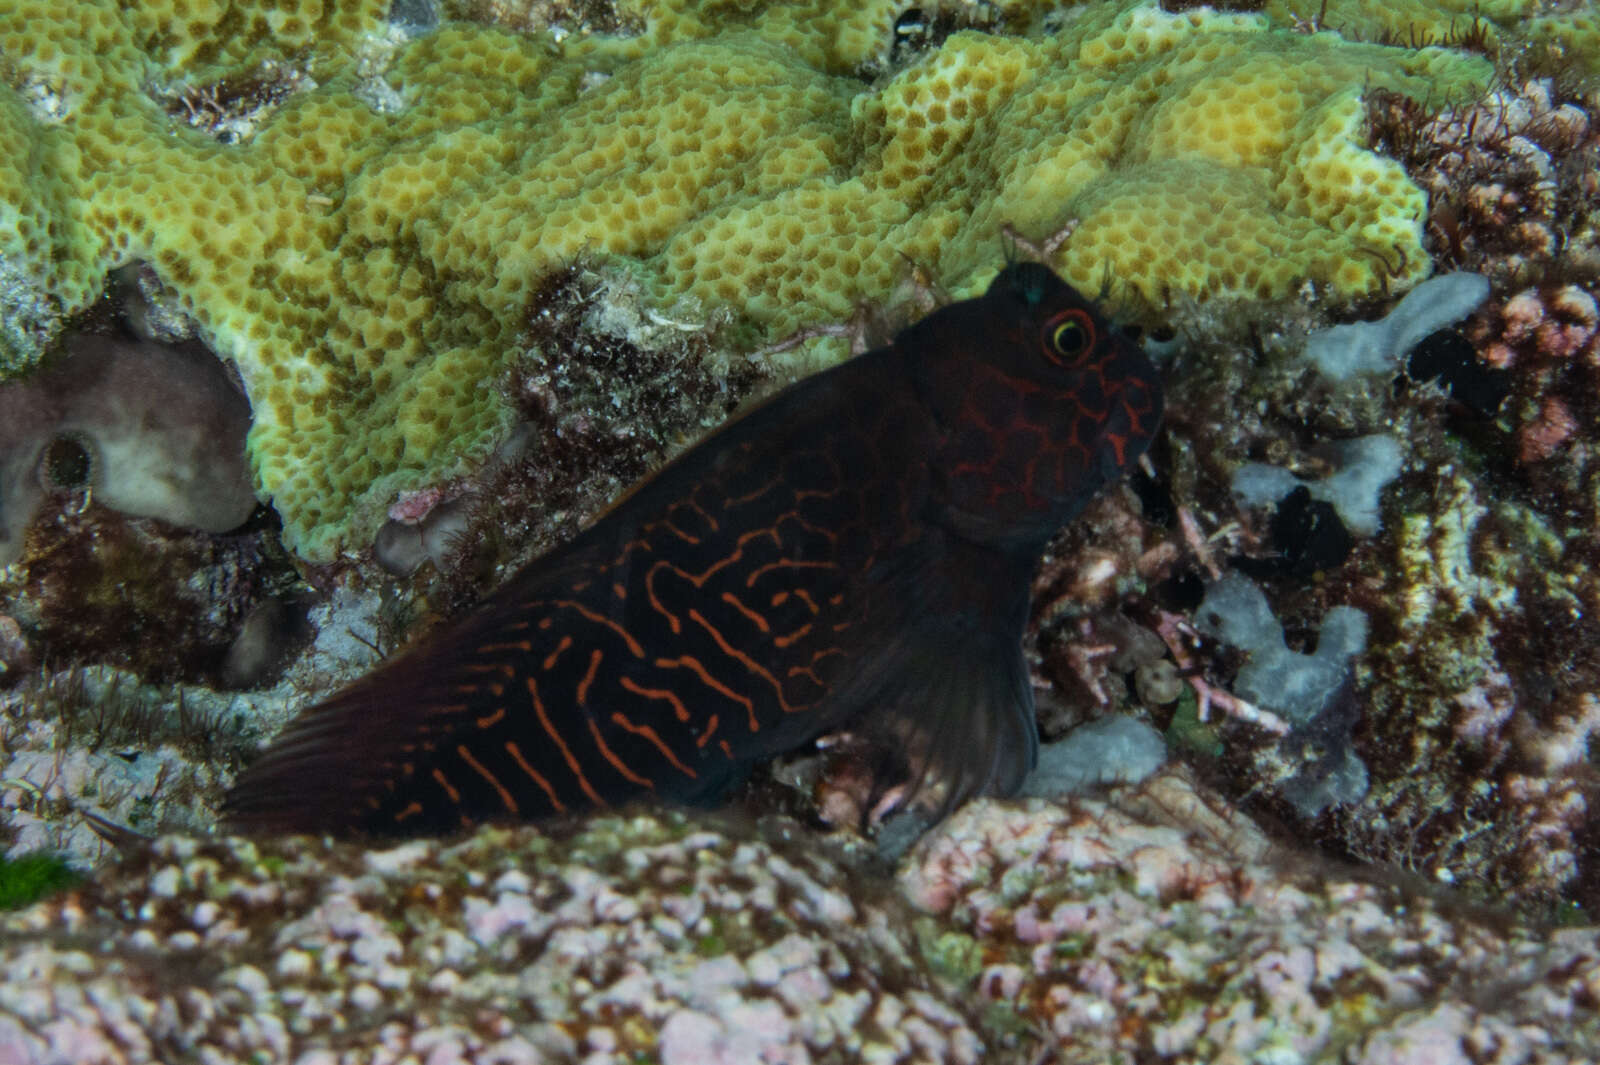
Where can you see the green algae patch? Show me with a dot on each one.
(27, 878)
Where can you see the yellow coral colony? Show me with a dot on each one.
(364, 246)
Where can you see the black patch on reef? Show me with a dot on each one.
(414, 16)
(1155, 498)
(1308, 535)
(1173, 7)
(1182, 592)
(1449, 358)
(1154, 491)
(918, 30)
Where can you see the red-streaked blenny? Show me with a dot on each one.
(855, 552)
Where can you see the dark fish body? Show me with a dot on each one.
(855, 552)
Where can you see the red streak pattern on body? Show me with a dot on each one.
(856, 552)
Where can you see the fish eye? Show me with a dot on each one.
(1071, 334)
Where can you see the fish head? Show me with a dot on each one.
(1041, 401)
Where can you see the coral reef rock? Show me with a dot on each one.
(1087, 930)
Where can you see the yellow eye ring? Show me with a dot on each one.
(1070, 337)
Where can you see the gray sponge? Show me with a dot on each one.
(1366, 464)
(1296, 686)
(1303, 689)
(162, 430)
(1369, 347)
(1116, 749)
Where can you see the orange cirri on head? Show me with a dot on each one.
(855, 552)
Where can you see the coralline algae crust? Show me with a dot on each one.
(1081, 931)
(362, 242)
